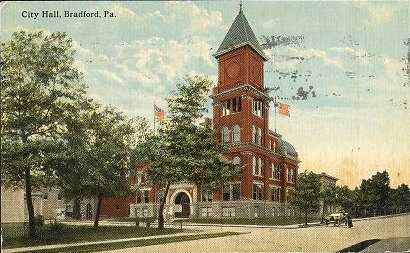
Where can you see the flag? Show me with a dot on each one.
(158, 112)
(283, 109)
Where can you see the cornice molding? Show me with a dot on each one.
(245, 87)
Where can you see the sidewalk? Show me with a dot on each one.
(293, 226)
(56, 246)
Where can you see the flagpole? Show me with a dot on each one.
(275, 105)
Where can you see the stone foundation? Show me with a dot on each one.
(218, 209)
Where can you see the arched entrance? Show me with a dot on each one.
(182, 199)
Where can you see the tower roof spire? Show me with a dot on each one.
(240, 34)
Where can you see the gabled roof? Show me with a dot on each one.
(240, 34)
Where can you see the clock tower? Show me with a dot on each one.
(241, 122)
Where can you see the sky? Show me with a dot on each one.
(340, 65)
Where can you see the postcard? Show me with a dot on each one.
(205, 126)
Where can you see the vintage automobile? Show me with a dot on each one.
(336, 218)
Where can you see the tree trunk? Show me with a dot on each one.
(77, 209)
(306, 218)
(29, 202)
(323, 213)
(97, 211)
(161, 207)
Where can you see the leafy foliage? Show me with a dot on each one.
(306, 196)
(328, 196)
(182, 151)
(374, 197)
(97, 154)
(40, 91)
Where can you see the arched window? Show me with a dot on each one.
(254, 165)
(254, 134)
(236, 160)
(225, 135)
(236, 133)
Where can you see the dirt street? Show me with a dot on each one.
(318, 239)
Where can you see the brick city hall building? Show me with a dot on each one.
(241, 121)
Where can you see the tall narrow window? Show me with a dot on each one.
(236, 133)
(257, 192)
(260, 166)
(273, 170)
(145, 195)
(254, 165)
(275, 194)
(254, 134)
(291, 176)
(231, 192)
(225, 135)
(259, 136)
(257, 107)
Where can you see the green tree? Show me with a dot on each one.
(182, 151)
(344, 198)
(97, 155)
(374, 193)
(400, 199)
(40, 90)
(306, 195)
(328, 197)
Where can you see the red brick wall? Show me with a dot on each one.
(117, 206)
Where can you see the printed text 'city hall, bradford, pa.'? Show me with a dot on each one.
(67, 14)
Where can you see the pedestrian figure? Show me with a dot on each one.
(349, 221)
(345, 218)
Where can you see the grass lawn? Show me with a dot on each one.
(273, 221)
(14, 237)
(133, 243)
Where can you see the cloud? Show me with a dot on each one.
(379, 12)
(271, 23)
(287, 57)
(122, 11)
(149, 60)
(200, 19)
(111, 76)
(363, 57)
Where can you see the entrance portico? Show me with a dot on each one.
(182, 204)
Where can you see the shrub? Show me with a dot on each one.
(39, 221)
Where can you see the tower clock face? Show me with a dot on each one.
(233, 70)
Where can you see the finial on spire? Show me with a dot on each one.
(240, 6)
